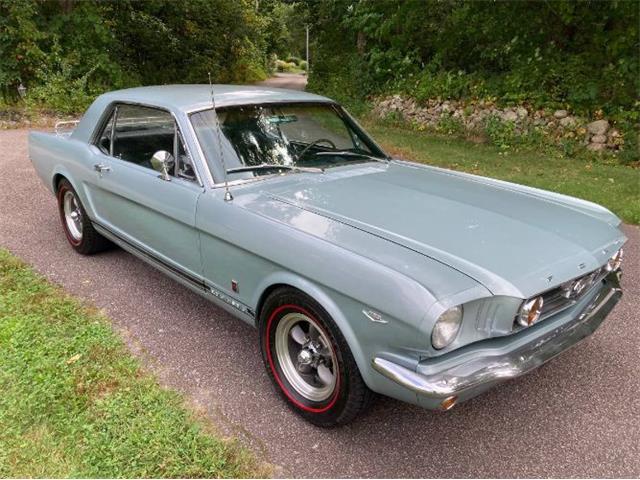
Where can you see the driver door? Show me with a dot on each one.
(132, 201)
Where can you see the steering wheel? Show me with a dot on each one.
(315, 142)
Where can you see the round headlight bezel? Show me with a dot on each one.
(447, 327)
(530, 311)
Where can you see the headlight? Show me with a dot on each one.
(446, 327)
(615, 261)
(530, 311)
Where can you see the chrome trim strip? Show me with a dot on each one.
(203, 159)
(128, 245)
(220, 298)
(487, 370)
(203, 108)
(230, 301)
(374, 316)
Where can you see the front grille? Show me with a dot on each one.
(568, 294)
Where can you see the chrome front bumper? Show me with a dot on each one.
(485, 367)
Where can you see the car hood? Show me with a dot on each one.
(514, 240)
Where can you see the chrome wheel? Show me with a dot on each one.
(72, 215)
(306, 356)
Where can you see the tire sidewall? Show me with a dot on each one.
(63, 188)
(324, 413)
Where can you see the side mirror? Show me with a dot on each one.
(163, 161)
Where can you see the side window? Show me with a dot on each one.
(104, 141)
(139, 132)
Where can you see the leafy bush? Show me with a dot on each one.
(539, 53)
(68, 51)
(501, 133)
(62, 93)
(282, 66)
(450, 125)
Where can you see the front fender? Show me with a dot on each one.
(320, 295)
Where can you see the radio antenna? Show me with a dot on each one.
(227, 194)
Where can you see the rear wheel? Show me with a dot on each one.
(309, 360)
(76, 224)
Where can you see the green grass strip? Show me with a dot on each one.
(603, 181)
(75, 403)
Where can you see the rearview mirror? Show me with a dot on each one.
(163, 161)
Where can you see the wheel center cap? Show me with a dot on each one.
(305, 357)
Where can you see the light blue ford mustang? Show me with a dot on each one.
(362, 273)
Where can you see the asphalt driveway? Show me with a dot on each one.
(292, 81)
(578, 415)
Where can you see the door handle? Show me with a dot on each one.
(101, 168)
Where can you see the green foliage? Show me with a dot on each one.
(66, 51)
(282, 66)
(75, 403)
(501, 133)
(557, 53)
(284, 29)
(61, 92)
(450, 125)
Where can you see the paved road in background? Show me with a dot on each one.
(292, 81)
(578, 415)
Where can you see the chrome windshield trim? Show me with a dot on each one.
(203, 160)
(262, 178)
(202, 108)
(339, 111)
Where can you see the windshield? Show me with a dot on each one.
(266, 139)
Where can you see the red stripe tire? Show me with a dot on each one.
(309, 361)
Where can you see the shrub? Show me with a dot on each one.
(502, 134)
(282, 66)
(62, 93)
(450, 125)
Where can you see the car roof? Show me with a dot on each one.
(188, 98)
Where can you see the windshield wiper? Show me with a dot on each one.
(271, 166)
(350, 153)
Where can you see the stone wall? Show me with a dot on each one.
(473, 117)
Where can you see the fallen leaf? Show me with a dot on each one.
(74, 359)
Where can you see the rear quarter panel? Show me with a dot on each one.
(53, 156)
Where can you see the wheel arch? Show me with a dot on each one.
(57, 178)
(61, 173)
(321, 295)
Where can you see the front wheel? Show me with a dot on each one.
(309, 360)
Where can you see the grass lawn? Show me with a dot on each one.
(74, 403)
(603, 181)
